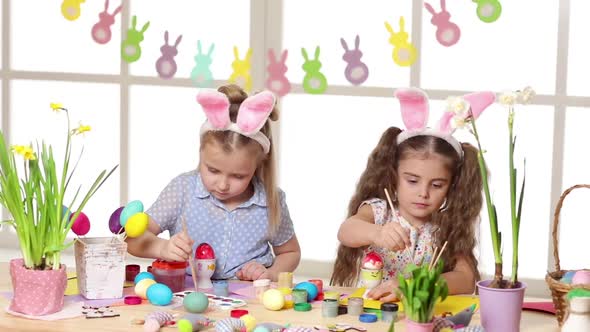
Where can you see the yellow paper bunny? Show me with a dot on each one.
(241, 75)
(404, 53)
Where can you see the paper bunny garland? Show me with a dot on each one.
(252, 114)
(415, 109)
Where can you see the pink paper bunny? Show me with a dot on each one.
(101, 31)
(356, 72)
(277, 82)
(166, 66)
(447, 33)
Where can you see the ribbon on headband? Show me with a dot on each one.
(415, 108)
(252, 114)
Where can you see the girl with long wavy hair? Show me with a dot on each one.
(436, 191)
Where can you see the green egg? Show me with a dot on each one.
(195, 302)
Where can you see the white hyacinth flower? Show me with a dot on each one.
(458, 122)
(526, 95)
(508, 98)
(458, 106)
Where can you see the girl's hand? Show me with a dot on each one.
(253, 271)
(385, 292)
(392, 236)
(179, 248)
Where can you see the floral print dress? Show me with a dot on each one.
(422, 241)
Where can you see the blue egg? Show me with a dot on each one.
(130, 209)
(143, 275)
(312, 289)
(159, 294)
(64, 211)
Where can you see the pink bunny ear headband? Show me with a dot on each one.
(252, 114)
(414, 108)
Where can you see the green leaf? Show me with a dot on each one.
(417, 303)
(521, 195)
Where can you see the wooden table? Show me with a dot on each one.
(531, 321)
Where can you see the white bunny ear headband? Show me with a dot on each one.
(414, 108)
(252, 114)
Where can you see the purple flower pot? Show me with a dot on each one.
(500, 308)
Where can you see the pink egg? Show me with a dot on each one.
(204, 251)
(581, 277)
(81, 225)
(372, 261)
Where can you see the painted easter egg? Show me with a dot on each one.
(159, 294)
(65, 211)
(312, 289)
(137, 224)
(115, 221)
(196, 302)
(372, 261)
(142, 286)
(130, 209)
(81, 225)
(143, 275)
(581, 277)
(249, 321)
(273, 299)
(567, 277)
(204, 251)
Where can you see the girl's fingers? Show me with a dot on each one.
(389, 298)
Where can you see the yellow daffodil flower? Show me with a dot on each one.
(25, 151)
(18, 149)
(56, 107)
(81, 129)
(29, 154)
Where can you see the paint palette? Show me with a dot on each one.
(222, 302)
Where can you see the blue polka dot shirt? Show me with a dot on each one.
(237, 236)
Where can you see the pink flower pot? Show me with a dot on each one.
(37, 292)
(412, 326)
(500, 308)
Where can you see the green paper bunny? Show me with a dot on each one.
(130, 49)
(201, 74)
(314, 81)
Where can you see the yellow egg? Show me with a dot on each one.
(285, 290)
(288, 304)
(136, 224)
(142, 286)
(249, 321)
(273, 299)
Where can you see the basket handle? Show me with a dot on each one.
(556, 222)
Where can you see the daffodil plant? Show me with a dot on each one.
(35, 200)
(509, 100)
(422, 290)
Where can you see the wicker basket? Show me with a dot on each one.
(559, 289)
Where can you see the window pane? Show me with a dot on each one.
(324, 150)
(346, 19)
(489, 55)
(533, 143)
(573, 224)
(164, 138)
(578, 54)
(96, 105)
(193, 20)
(43, 40)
